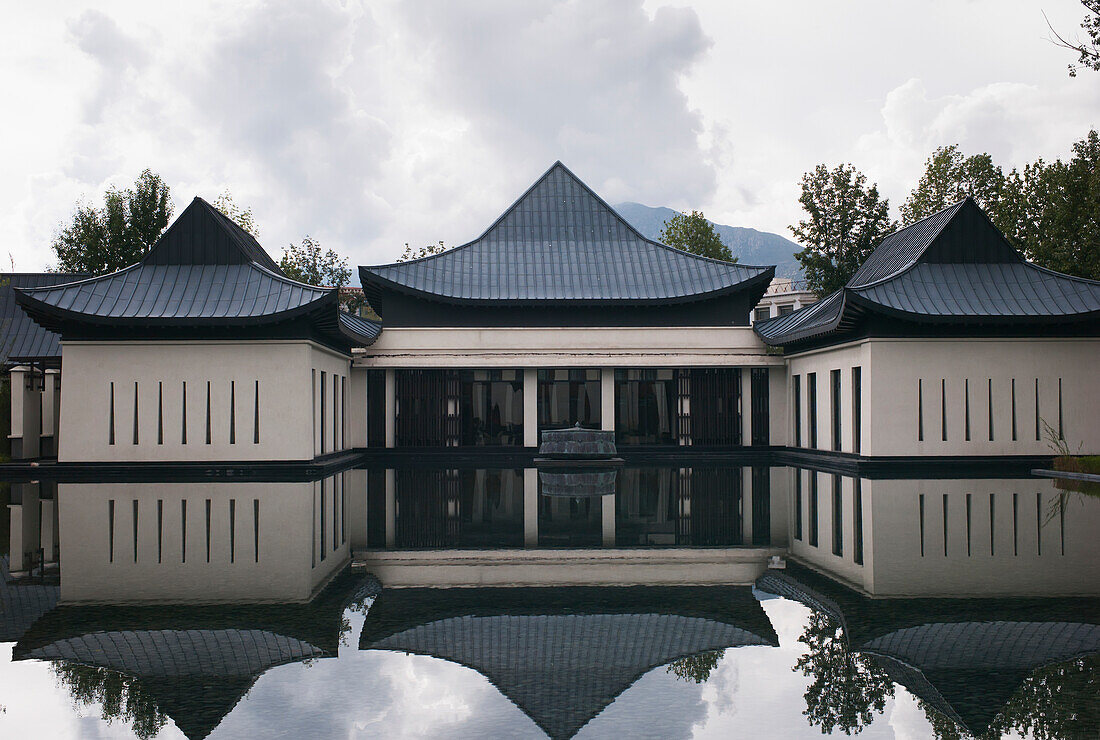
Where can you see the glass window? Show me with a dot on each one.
(762, 313)
(645, 406)
(567, 397)
(786, 308)
(491, 404)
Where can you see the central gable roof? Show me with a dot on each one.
(954, 267)
(562, 243)
(205, 271)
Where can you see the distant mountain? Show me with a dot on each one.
(749, 245)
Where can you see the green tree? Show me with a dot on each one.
(948, 178)
(1055, 702)
(695, 234)
(847, 689)
(417, 254)
(241, 216)
(845, 222)
(102, 240)
(1087, 49)
(306, 263)
(121, 697)
(696, 667)
(1051, 211)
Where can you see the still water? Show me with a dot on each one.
(509, 603)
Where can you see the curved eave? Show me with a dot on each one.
(374, 285)
(857, 300)
(855, 306)
(58, 319)
(362, 332)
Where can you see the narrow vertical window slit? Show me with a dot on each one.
(111, 531)
(160, 530)
(920, 410)
(945, 525)
(111, 422)
(232, 530)
(135, 529)
(969, 521)
(1014, 409)
(992, 522)
(990, 406)
(966, 406)
(208, 412)
(232, 412)
(1061, 418)
(135, 412)
(256, 418)
(183, 415)
(208, 530)
(183, 531)
(256, 529)
(160, 413)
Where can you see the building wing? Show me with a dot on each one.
(953, 267)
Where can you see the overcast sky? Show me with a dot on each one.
(368, 125)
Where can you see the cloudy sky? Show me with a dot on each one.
(368, 125)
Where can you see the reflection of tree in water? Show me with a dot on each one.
(847, 689)
(121, 696)
(696, 667)
(1057, 702)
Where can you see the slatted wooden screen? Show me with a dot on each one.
(759, 391)
(715, 417)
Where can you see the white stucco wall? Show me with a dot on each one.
(663, 346)
(892, 371)
(288, 566)
(284, 370)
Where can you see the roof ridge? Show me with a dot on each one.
(916, 258)
(559, 165)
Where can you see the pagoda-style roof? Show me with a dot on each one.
(953, 269)
(205, 277)
(563, 654)
(560, 245)
(964, 657)
(22, 340)
(197, 661)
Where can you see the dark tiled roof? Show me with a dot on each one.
(952, 267)
(203, 271)
(561, 242)
(563, 654)
(20, 338)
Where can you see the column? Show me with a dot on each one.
(391, 407)
(747, 502)
(607, 400)
(607, 522)
(530, 507)
(530, 408)
(746, 406)
(357, 411)
(18, 379)
(391, 508)
(51, 412)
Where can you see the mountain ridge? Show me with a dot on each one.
(751, 246)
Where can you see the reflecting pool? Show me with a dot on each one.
(716, 600)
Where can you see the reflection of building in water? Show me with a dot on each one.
(946, 537)
(628, 507)
(195, 662)
(563, 654)
(964, 658)
(201, 541)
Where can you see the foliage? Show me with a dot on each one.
(1088, 50)
(121, 697)
(418, 254)
(696, 667)
(695, 234)
(846, 689)
(1052, 211)
(242, 217)
(948, 178)
(308, 264)
(1053, 703)
(103, 240)
(845, 222)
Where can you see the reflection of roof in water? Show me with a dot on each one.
(196, 661)
(22, 603)
(563, 654)
(964, 657)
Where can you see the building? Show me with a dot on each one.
(204, 350)
(562, 313)
(945, 342)
(784, 296)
